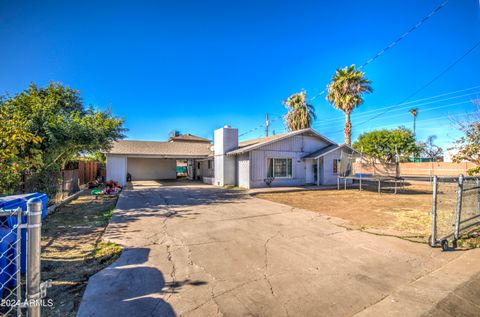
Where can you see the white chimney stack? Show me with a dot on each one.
(225, 140)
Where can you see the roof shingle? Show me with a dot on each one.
(167, 149)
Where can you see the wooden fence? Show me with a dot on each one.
(435, 168)
(63, 183)
(89, 171)
(414, 169)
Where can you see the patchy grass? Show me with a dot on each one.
(469, 240)
(73, 250)
(405, 215)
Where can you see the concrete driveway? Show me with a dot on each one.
(196, 250)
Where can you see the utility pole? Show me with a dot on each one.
(267, 123)
(414, 113)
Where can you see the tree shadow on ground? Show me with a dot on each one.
(129, 288)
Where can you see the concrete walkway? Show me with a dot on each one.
(196, 250)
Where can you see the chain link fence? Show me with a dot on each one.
(10, 264)
(455, 208)
(21, 291)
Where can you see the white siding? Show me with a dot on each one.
(295, 148)
(204, 170)
(224, 167)
(298, 143)
(243, 170)
(117, 168)
(151, 168)
(329, 178)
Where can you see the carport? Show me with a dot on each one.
(141, 168)
(153, 160)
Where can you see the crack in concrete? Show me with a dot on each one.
(208, 242)
(265, 272)
(213, 296)
(256, 216)
(173, 272)
(284, 305)
(190, 262)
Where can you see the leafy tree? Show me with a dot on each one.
(300, 113)
(57, 116)
(429, 149)
(19, 149)
(383, 145)
(469, 145)
(345, 93)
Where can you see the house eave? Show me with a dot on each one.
(166, 156)
(257, 146)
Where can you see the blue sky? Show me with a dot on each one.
(197, 65)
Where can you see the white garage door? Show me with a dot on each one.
(151, 168)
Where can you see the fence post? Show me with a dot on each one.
(458, 213)
(433, 238)
(18, 261)
(478, 194)
(34, 225)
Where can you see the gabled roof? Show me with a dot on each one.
(322, 151)
(328, 149)
(250, 145)
(188, 138)
(162, 149)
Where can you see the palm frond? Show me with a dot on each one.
(300, 114)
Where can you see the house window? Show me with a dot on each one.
(336, 163)
(209, 164)
(277, 167)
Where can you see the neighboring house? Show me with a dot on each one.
(290, 159)
(449, 154)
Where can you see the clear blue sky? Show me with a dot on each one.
(198, 65)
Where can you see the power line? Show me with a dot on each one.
(391, 45)
(429, 82)
(364, 114)
(394, 43)
(404, 35)
(413, 103)
(421, 120)
(430, 109)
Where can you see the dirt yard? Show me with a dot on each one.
(72, 250)
(406, 215)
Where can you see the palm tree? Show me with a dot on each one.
(414, 113)
(300, 113)
(345, 93)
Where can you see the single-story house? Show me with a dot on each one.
(289, 159)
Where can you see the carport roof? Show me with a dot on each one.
(162, 149)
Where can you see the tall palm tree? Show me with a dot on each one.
(345, 93)
(414, 113)
(300, 113)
